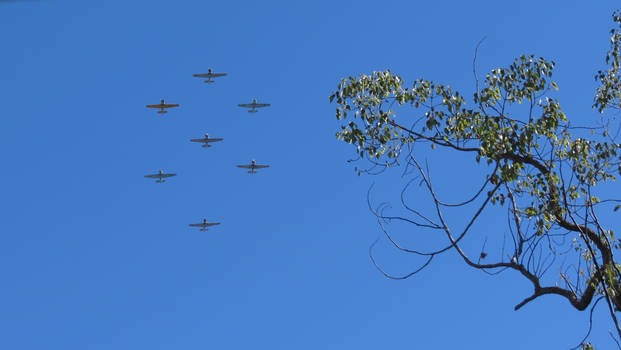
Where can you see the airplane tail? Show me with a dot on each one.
(206, 145)
(253, 111)
(252, 172)
(204, 229)
(209, 81)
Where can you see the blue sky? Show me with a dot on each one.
(94, 256)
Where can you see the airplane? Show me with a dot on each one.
(159, 176)
(203, 225)
(162, 106)
(253, 166)
(210, 74)
(206, 140)
(254, 105)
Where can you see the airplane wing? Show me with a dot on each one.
(208, 75)
(167, 175)
(258, 166)
(165, 105)
(262, 105)
(198, 140)
(246, 105)
(245, 166)
(154, 176)
(205, 224)
(213, 140)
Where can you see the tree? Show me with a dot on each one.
(544, 171)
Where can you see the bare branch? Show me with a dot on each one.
(396, 277)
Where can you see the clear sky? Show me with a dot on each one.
(94, 256)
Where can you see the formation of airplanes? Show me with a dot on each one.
(207, 140)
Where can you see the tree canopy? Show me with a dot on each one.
(548, 173)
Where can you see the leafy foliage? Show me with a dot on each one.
(543, 173)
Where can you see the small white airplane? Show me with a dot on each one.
(206, 140)
(209, 75)
(203, 225)
(162, 106)
(254, 105)
(159, 176)
(253, 166)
